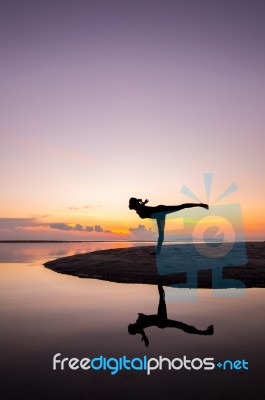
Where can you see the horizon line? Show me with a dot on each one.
(120, 241)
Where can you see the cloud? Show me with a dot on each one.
(142, 233)
(61, 226)
(16, 223)
(66, 227)
(35, 228)
(83, 207)
(78, 227)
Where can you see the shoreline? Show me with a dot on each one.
(138, 265)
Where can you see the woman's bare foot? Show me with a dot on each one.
(203, 205)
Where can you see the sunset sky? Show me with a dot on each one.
(105, 100)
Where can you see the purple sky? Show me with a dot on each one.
(104, 100)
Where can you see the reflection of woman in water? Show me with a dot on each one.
(161, 321)
(159, 213)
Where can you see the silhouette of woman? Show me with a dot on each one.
(159, 213)
(161, 321)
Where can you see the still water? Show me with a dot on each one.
(44, 313)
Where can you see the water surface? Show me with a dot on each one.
(44, 313)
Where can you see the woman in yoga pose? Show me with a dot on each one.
(161, 320)
(159, 213)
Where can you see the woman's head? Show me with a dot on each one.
(133, 329)
(133, 203)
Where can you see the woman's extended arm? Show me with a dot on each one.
(144, 338)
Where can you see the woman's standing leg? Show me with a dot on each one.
(161, 227)
(162, 308)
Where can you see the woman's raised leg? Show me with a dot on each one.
(170, 209)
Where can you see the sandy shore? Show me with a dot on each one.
(138, 265)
